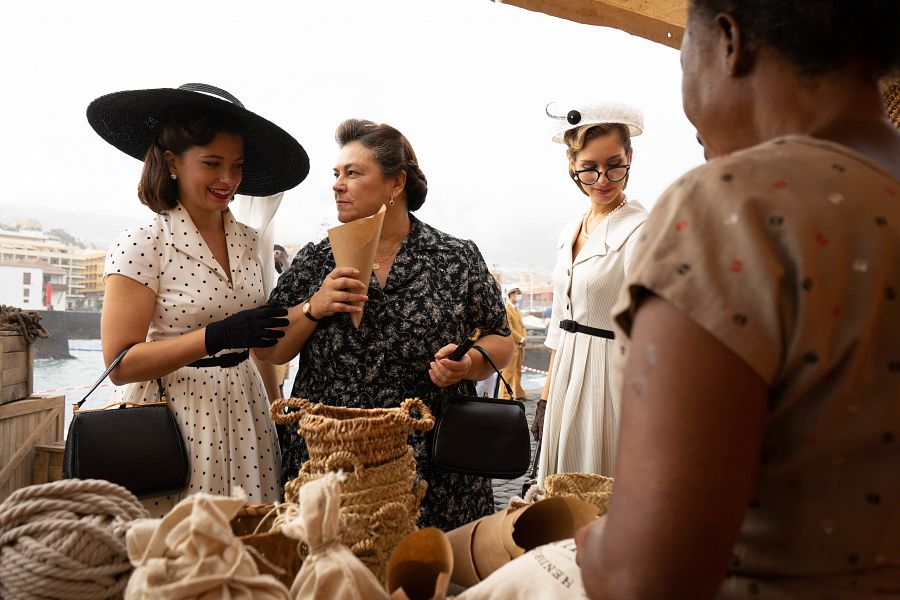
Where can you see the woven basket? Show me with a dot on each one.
(373, 534)
(890, 90)
(589, 487)
(374, 435)
(359, 478)
(274, 553)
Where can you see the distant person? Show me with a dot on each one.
(282, 260)
(513, 371)
(594, 253)
(185, 290)
(759, 453)
(428, 291)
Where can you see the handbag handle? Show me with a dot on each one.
(115, 362)
(490, 362)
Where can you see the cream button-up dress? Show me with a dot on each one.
(582, 418)
(223, 413)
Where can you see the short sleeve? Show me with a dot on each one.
(301, 280)
(486, 309)
(136, 255)
(707, 250)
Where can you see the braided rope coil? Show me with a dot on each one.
(66, 539)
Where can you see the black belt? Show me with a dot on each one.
(226, 360)
(573, 327)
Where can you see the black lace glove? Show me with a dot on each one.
(537, 426)
(249, 328)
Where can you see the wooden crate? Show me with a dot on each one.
(48, 462)
(16, 367)
(34, 421)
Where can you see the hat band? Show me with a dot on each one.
(210, 90)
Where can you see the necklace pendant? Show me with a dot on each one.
(376, 265)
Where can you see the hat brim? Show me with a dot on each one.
(634, 129)
(273, 160)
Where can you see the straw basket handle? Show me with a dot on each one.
(276, 410)
(425, 422)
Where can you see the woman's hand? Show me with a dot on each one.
(445, 372)
(336, 293)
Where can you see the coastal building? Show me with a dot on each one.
(33, 245)
(92, 291)
(32, 285)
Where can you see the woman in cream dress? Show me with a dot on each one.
(593, 255)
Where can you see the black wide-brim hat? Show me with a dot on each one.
(273, 160)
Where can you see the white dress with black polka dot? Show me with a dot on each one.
(222, 412)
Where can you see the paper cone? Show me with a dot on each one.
(485, 545)
(420, 566)
(353, 245)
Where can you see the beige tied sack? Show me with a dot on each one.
(330, 570)
(548, 571)
(191, 553)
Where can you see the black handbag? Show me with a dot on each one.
(134, 444)
(488, 437)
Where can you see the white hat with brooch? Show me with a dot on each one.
(595, 114)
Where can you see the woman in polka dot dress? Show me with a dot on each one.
(186, 288)
(759, 449)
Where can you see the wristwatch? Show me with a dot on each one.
(307, 312)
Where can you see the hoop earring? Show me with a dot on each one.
(391, 201)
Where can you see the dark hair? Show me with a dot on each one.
(280, 248)
(578, 137)
(178, 132)
(818, 36)
(392, 152)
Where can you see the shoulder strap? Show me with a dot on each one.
(106, 373)
(490, 362)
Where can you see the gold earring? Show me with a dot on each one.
(391, 202)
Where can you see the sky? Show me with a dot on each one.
(467, 81)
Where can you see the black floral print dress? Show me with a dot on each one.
(438, 290)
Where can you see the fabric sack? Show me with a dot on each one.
(487, 437)
(330, 570)
(548, 571)
(135, 445)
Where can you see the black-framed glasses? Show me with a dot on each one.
(612, 174)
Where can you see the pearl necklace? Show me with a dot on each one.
(583, 229)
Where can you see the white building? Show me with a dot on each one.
(32, 285)
(33, 246)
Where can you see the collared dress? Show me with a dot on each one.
(222, 412)
(438, 290)
(582, 419)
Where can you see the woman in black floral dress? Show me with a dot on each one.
(428, 290)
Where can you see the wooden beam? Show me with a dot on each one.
(660, 21)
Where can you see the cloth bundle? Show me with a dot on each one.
(330, 570)
(548, 571)
(380, 495)
(192, 553)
